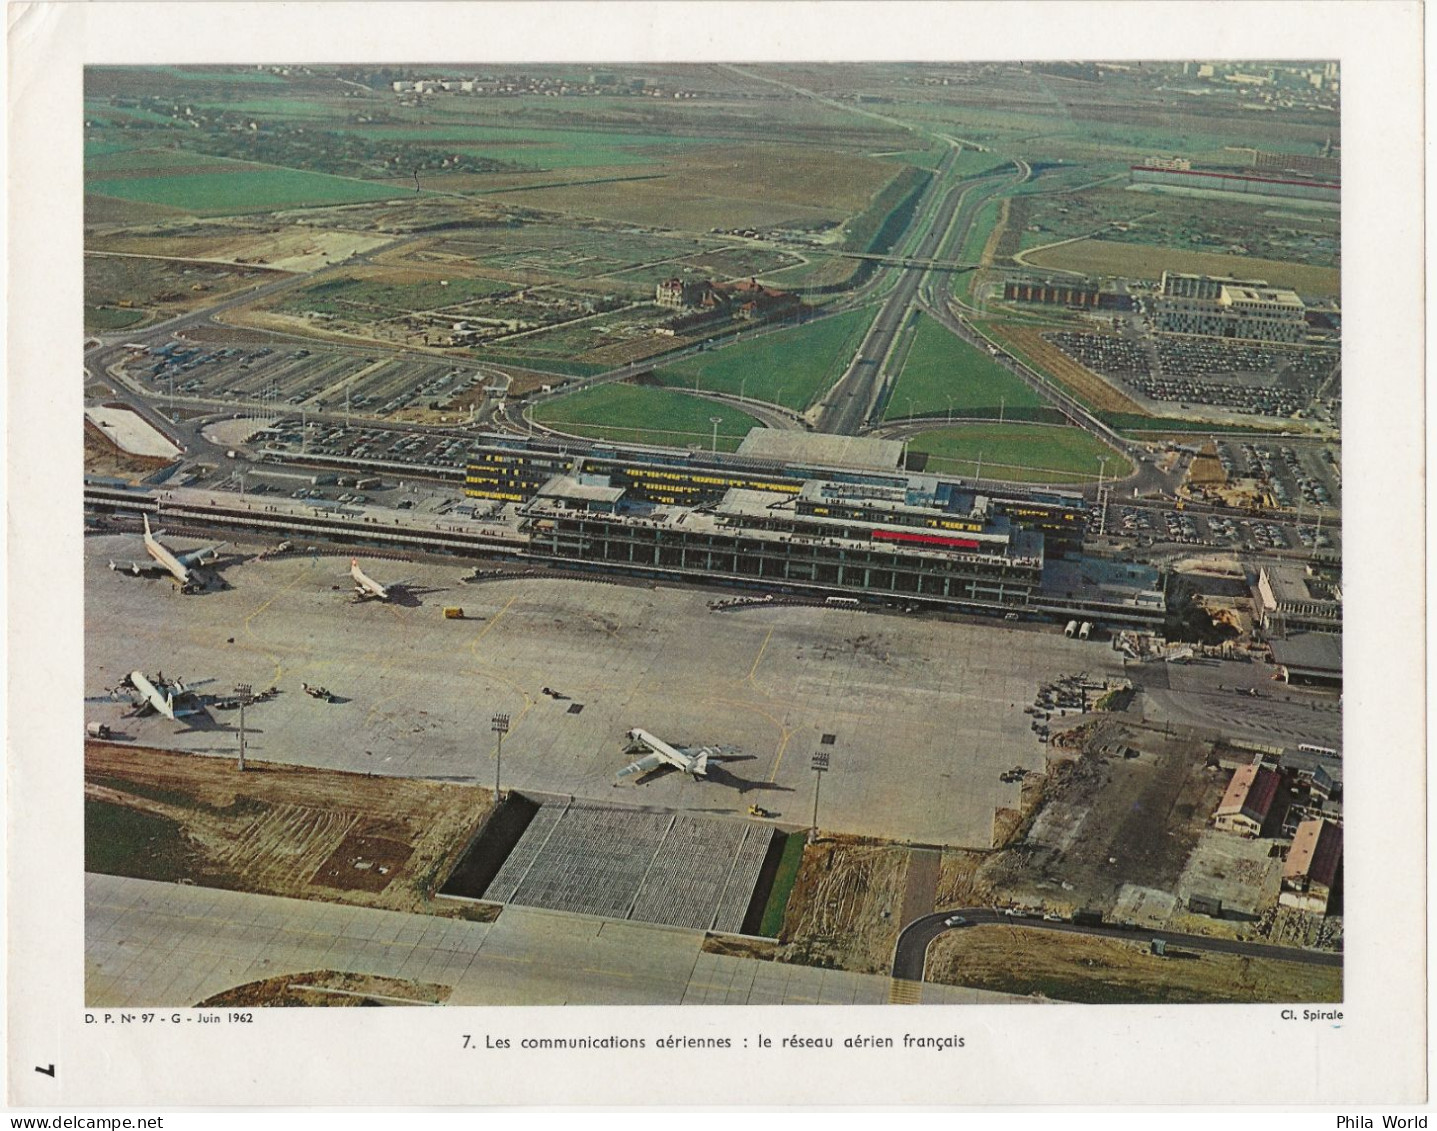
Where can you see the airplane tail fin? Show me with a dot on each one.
(701, 764)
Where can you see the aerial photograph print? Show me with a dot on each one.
(697, 534)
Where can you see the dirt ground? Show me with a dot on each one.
(1109, 820)
(1068, 967)
(960, 880)
(290, 248)
(104, 457)
(1084, 382)
(845, 907)
(329, 988)
(294, 831)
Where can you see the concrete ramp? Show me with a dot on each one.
(652, 867)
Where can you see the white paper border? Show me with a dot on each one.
(1065, 1055)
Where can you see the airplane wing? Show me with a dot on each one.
(643, 766)
(200, 557)
(139, 567)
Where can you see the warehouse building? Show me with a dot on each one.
(1248, 800)
(1313, 867)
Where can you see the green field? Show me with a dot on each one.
(646, 416)
(229, 193)
(942, 373)
(135, 160)
(111, 318)
(788, 367)
(1019, 453)
(782, 888)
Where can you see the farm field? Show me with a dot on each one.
(1019, 453)
(727, 187)
(1067, 967)
(251, 189)
(942, 373)
(788, 367)
(1143, 261)
(646, 416)
(276, 829)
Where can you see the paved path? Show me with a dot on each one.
(172, 945)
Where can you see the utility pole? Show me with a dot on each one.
(244, 691)
(820, 767)
(500, 727)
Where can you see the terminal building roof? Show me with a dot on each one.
(1309, 651)
(1118, 583)
(822, 450)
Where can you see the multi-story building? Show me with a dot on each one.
(813, 515)
(1229, 308)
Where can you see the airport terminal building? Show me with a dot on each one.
(808, 514)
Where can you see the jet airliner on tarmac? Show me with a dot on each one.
(661, 754)
(179, 566)
(364, 585)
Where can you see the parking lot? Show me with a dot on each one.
(1250, 379)
(1300, 475)
(1156, 526)
(925, 715)
(316, 377)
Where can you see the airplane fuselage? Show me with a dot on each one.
(364, 585)
(162, 703)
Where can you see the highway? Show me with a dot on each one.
(910, 955)
(941, 217)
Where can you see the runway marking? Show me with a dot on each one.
(278, 663)
(757, 659)
(473, 648)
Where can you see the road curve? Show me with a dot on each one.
(911, 953)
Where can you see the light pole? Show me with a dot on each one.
(820, 767)
(500, 727)
(741, 386)
(244, 691)
(1002, 405)
(910, 408)
(950, 411)
(715, 421)
(1102, 503)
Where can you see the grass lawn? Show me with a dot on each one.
(782, 888)
(111, 318)
(941, 367)
(1019, 453)
(223, 194)
(645, 415)
(123, 842)
(789, 367)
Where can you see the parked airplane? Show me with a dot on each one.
(364, 585)
(661, 754)
(178, 566)
(170, 698)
